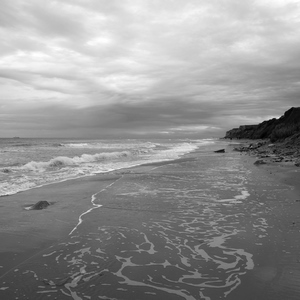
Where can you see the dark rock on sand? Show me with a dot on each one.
(220, 151)
(260, 162)
(279, 152)
(39, 205)
(278, 139)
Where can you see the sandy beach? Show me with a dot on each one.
(187, 229)
(149, 150)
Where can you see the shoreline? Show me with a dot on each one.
(103, 173)
(19, 201)
(37, 225)
(38, 233)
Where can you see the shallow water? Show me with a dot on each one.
(30, 163)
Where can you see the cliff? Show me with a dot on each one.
(286, 127)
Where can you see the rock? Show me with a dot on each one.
(297, 164)
(39, 205)
(260, 162)
(255, 146)
(289, 153)
(278, 159)
(220, 151)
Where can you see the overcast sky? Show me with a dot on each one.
(90, 68)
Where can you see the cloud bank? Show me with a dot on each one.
(177, 67)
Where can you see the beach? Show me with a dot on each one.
(206, 226)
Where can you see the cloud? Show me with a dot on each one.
(175, 117)
(146, 66)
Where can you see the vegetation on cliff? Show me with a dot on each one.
(286, 127)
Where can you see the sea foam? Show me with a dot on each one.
(62, 161)
(46, 164)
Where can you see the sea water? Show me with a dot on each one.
(30, 163)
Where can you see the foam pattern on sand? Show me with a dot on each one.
(184, 268)
(180, 234)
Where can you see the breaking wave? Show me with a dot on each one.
(62, 161)
(103, 145)
(42, 165)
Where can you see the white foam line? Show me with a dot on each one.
(94, 205)
(126, 262)
(49, 254)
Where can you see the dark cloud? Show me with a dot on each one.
(116, 119)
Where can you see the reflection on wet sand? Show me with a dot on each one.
(173, 240)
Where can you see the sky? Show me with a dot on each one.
(142, 68)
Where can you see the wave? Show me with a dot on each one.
(22, 145)
(100, 145)
(62, 161)
(78, 145)
(20, 177)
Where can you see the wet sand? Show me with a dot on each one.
(276, 274)
(179, 230)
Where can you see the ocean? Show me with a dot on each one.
(31, 163)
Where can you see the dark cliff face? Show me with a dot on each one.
(274, 129)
